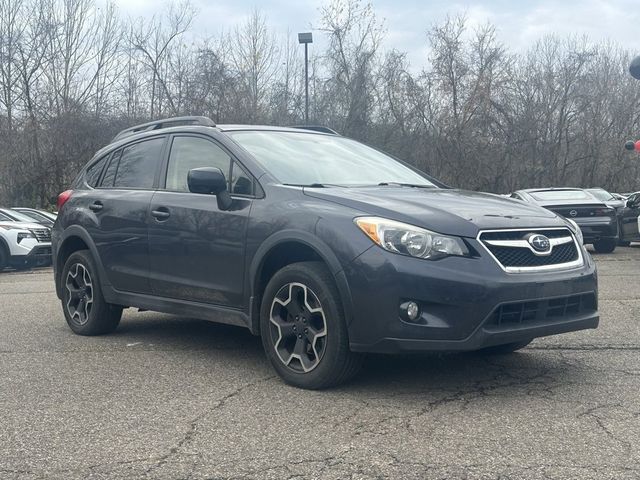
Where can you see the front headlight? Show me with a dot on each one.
(576, 230)
(23, 235)
(405, 239)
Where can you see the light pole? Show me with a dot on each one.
(306, 38)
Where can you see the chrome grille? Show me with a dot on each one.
(42, 234)
(515, 254)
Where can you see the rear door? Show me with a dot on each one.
(196, 249)
(120, 204)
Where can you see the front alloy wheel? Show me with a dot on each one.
(79, 293)
(298, 327)
(303, 327)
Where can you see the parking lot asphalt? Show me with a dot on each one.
(177, 398)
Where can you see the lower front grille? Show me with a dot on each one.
(531, 312)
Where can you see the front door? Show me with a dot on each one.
(196, 250)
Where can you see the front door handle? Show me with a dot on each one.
(161, 214)
(96, 206)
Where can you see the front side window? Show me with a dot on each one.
(301, 158)
(138, 162)
(193, 152)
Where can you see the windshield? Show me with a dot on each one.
(306, 159)
(601, 194)
(562, 195)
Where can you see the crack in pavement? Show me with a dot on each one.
(193, 424)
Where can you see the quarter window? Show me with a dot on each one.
(93, 172)
(110, 173)
(193, 152)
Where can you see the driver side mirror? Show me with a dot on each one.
(210, 181)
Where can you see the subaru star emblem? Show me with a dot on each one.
(540, 243)
(573, 213)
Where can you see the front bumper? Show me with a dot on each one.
(459, 298)
(40, 255)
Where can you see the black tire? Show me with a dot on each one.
(506, 348)
(623, 243)
(328, 362)
(4, 257)
(606, 245)
(95, 316)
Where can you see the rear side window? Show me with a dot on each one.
(93, 172)
(193, 152)
(138, 163)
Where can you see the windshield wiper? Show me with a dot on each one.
(314, 185)
(400, 184)
(308, 185)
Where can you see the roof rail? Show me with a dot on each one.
(316, 128)
(164, 123)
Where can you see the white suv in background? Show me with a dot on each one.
(23, 244)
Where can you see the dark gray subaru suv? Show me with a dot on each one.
(325, 247)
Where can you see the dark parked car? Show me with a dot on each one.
(325, 247)
(630, 231)
(597, 221)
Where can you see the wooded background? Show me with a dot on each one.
(476, 115)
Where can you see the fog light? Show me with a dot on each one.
(410, 311)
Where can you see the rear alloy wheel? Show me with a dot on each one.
(86, 311)
(79, 293)
(607, 245)
(303, 328)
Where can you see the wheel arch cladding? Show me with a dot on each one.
(285, 248)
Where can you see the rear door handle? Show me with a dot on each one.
(96, 206)
(161, 214)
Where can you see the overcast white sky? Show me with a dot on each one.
(519, 23)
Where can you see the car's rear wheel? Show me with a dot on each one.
(303, 328)
(86, 311)
(606, 245)
(505, 348)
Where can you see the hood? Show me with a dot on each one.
(452, 212)
(25, 225)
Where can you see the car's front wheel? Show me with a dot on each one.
(303, 328)
(85, 309)
(606, 245)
